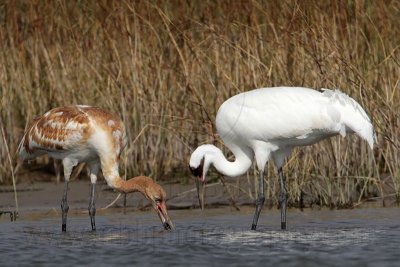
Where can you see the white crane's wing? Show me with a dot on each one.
(275, 113)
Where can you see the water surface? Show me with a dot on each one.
(367, 237)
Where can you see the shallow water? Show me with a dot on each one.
(367, 237)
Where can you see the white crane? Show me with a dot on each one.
(80, 133)
(269, 122)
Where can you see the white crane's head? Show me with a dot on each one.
(199, 163)
(201, 159)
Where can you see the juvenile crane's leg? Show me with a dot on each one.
(68, 165)
(282, 198)
(92, 207)
(260, 201)
(94, 168)
(64, 207)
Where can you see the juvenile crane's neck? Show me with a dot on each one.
(129, 186)
(111, 175)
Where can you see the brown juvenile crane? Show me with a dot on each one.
(88, 134)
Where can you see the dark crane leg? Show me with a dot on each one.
(92, 206)
(260, 201)
(282, 198)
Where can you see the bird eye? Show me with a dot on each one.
(157, 199)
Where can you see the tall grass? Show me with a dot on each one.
(166, 66)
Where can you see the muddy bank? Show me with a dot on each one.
(43, 198)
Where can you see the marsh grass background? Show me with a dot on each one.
(166, 66)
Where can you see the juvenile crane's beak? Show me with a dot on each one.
(161, 209)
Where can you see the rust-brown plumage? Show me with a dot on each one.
(88, 134)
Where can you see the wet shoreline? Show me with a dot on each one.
(219, 235)
(43, 199)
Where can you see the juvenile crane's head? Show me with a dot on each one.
(157, 196)
(153, 192)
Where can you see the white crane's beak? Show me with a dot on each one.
(201, 189)
(199, 174)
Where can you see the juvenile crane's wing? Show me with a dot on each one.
(57, 130)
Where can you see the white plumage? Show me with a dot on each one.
(270, 122)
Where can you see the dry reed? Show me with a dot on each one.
(166, 66)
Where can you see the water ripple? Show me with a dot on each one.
(211, 241)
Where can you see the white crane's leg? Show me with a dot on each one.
(279, 157)
(68, 166)
(282, 198)
(92, 207)
(260, 200)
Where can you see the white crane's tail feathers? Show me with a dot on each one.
(369, 136)
(343, 99)
(354, 116)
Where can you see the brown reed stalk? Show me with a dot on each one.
(166, 66)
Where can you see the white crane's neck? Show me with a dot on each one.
(213, 155)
